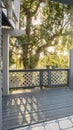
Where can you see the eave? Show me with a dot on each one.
(67, 2)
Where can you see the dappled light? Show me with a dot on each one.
(37, 106)
(36, 37)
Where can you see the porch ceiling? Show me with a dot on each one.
(68, 2)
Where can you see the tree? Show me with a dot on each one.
(55, 19)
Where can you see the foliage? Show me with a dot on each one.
(55, 21)
(57, 55)
(11, 60)
(15, 54)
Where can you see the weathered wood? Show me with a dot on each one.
(29, 108)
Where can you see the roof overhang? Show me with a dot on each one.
(67, 2)
(14, 32)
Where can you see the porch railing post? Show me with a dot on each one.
(41, 79)
(49, 77)
(71, 52)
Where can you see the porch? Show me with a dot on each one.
(36, 106)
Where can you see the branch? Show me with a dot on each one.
(32, 13)
(66, 23)
(37, 6)
(29, 10)
(31, 2)
(50, 40)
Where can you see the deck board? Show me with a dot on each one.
(37, 106)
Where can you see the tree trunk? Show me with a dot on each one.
(26, 46)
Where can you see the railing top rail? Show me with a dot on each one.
(31, 70)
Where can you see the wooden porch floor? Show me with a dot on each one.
(38, 106)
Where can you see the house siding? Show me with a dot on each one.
(0, 68)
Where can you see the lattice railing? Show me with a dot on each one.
(59, 77)
(38, 78)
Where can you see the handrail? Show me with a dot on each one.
(22, 70)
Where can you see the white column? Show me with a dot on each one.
(5, 63)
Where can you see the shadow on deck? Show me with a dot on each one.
(38, 106)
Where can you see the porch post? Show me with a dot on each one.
(71, 53)
(5, 63)
(71, 70)
(0, 68)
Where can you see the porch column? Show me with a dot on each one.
(71, 70)
(5, 63)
